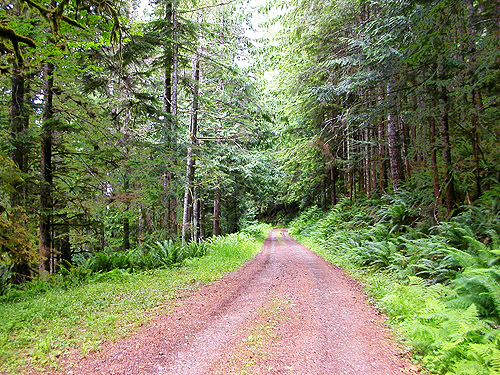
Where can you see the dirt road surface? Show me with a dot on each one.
(287, 311)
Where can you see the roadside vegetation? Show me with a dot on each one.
(439, 283)
(106, 296)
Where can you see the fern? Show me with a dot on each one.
(482, 287)
(166, 253)
(467, 367)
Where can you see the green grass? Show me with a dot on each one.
(34, 331)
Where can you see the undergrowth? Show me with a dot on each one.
(84, 308)
(440, 285)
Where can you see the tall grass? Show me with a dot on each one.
(439, 284)
(50, 318)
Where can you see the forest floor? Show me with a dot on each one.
(287, 311)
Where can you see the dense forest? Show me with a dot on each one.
(117, 131)
(126, 131)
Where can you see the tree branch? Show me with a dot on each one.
(206, 7)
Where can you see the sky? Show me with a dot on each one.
(253, 6)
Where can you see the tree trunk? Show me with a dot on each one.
(333, 183)
(18, 126)
(373, 157)
(406, 149)
(201, 219)
(216, 218)
(324, 198)
(175, 65)
(449, 187)
(367, 162)
(476, 141)
(476, 96)
(434, 166)
(381, 151)
(170, 83)
(126, 219)
(395, 162)
(64, 245)
(350, 182)
(46, 200)
(196, 214)
(190, 160)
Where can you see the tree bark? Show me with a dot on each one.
(201, 219)
(449, 187)
(190, 159)
(18, 127)
(126, 219)
(333, 185)
(324, 198)
(216, 218)
(175, 85)
(476, 140)
(406, 149)
(477, 102)
(395, 161)
(196, 214)
(175, 65)
(367, 162)
(373, 157)
(170, 83)
(63, 239)
(381, 151)
(46, 199)
(434, 166)
(350, 182)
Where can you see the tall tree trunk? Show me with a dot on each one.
(350, 182)
(449, 186)
(381, 151)
(434, 166)
(216, 217)
(170, 82)
(122, 122)
(63, 239)
(126, 219)
(190, 159)
(395, 161)
(19, 155)
(476, 94)
(201, 219)
(476, 140)
(406, 149)
(417, 134)
(367, 162)
(18, 127)
(333, 184)
(324, 198)
(175, 65)
(46, 182)
(196, 214)
(373, 157)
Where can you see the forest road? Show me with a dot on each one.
(286, 311)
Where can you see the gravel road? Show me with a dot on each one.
(287, 311)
